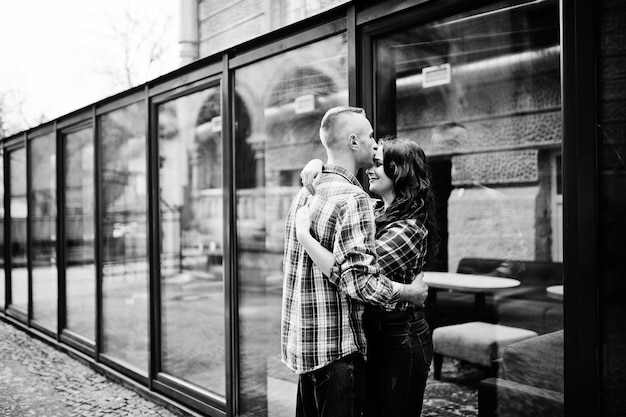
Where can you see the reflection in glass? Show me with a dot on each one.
(80, 270)
(19, 213)
(124, 236)
(223, 27)
(43, 217)
(280, 103)
(2, 274)
(191, 198)
(480, 92)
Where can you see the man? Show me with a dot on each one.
(322, 330)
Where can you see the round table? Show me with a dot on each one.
(468, 282)
(555, 291)
(479, 285)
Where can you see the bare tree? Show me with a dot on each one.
(140, 36)
(13, 117)
(3, 128)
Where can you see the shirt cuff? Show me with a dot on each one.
(335, 274)
(395, 297)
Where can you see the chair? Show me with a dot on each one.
(476, 342)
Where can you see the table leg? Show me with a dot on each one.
(431, 307)
(480, 306)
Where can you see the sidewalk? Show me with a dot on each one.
(38, 380)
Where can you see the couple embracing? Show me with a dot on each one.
(353, 325)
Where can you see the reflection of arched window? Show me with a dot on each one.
(299, 81)
(208, 155)
(207, 159)
(245, 177)
(293, 126)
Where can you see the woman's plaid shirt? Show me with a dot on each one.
(401, 247)
(322, 320)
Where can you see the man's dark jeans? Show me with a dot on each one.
(337, 390)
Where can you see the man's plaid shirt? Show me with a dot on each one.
(322, 318)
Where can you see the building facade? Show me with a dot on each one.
(145, 232)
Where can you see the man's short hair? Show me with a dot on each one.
(328, 131)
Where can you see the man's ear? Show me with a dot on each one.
(353, 143)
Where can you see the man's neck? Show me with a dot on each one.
(344, 162)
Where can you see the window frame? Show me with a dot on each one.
(48, 129)
(362, 23)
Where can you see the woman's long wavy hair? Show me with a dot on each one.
(405, 163)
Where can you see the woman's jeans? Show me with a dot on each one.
(399, 353)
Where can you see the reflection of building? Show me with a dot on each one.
(168, 201)
(500, 163)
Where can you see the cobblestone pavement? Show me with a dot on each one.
(38, 380)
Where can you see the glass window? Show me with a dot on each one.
(192, 273)
(19, 213)
(278, 108)
(80, 272)
(224, 24)
(43, 218)
(124, 236)
(480, 93)
(2, 273)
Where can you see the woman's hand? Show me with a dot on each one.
(310, 172)
(303, 223)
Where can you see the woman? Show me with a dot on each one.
(399, 341)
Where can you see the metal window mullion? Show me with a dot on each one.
(7, 231)
(231, 286)
(61, 232)
(29, 237)
(581, 257)
(97, 177)
(5, 226)
(154, 246)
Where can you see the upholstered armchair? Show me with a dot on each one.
(530, 381)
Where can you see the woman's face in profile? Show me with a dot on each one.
(380, 183)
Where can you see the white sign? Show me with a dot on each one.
(436, 75)
(304, 104)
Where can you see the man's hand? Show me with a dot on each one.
(415, 292)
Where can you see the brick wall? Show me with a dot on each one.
(226, 23)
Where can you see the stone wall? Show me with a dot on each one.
(491, 223)
(498, 126)
(225, 23)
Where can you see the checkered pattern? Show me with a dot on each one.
(401, 248)
(322, 318)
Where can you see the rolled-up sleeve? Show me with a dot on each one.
(356, 270)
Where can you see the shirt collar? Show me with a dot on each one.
(379, 204)
(339, 170)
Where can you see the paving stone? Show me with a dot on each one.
(38, 380)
